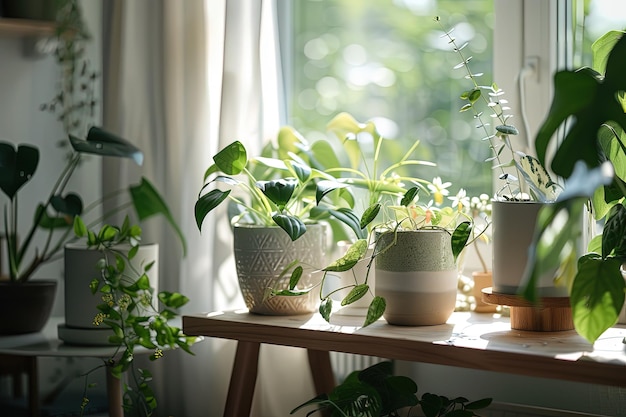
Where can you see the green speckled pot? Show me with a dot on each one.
(417, 276)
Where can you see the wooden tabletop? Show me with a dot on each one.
(468, 340)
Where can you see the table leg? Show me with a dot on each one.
(114, 394)
(242, 380)
(322, 371)
(33, 386)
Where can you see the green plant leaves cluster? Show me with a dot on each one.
(376, 392)
(538, 183)
(592, 156)
(128, 309)
(57, 210)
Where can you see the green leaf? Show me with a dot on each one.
(354, 253)
(93, 286)
(349, 218)
(103, 143)
(50, 222)
(326, 307)
(614, 231)
(107, 233)
(369, 215)
(460, 237)
(597, 295)
(590, 101)
(17, 167)
(325, 187)
(507, 130)
(355, 294)
(300, 170)
(71, 204)
(479, 404)
(148, 202)
(232, 160)
(538, 179)
(295, 277)
(278, 191)
(375, 310)
(80, 230)
(208, 202)
(409, 196)
(173, 299)
(290, 224)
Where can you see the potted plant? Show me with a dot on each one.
(376, 391)
(592, 157)
(356, 161)
(279, 212)
(52, 219)
(416, 253)
(523, 192)
(136, 315)
(382, 190)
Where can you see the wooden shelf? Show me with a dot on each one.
(23, 27)
(468, 340)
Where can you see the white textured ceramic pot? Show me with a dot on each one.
(262, 254)
(81, 304)
(513, 227)
(417, 276)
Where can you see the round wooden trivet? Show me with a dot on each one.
(550, 314)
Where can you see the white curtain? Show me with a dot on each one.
(183, 79)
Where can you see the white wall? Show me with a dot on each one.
(26, 82)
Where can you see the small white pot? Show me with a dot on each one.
(80, 270)
(513, 225)
(417, 276)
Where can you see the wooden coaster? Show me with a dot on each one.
(550, 314)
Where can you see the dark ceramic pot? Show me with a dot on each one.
(25, 307)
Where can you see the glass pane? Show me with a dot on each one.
(386, 60)
(593, 18)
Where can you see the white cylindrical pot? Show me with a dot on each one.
(81, 269)
(262, 256)
(417, 276)
(513, 226)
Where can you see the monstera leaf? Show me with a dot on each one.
(592, 101)
(17, 166)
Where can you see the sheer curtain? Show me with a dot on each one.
(181, 80)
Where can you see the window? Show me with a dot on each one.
(385, 60)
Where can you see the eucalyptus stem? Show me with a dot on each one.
(498, 110)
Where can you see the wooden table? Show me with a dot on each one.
(22, 351)
(467, 340)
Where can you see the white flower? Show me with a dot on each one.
(439, 189)
(460, 201)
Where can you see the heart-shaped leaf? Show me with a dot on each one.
(232, 159)
(17, 167)
(71, 204)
